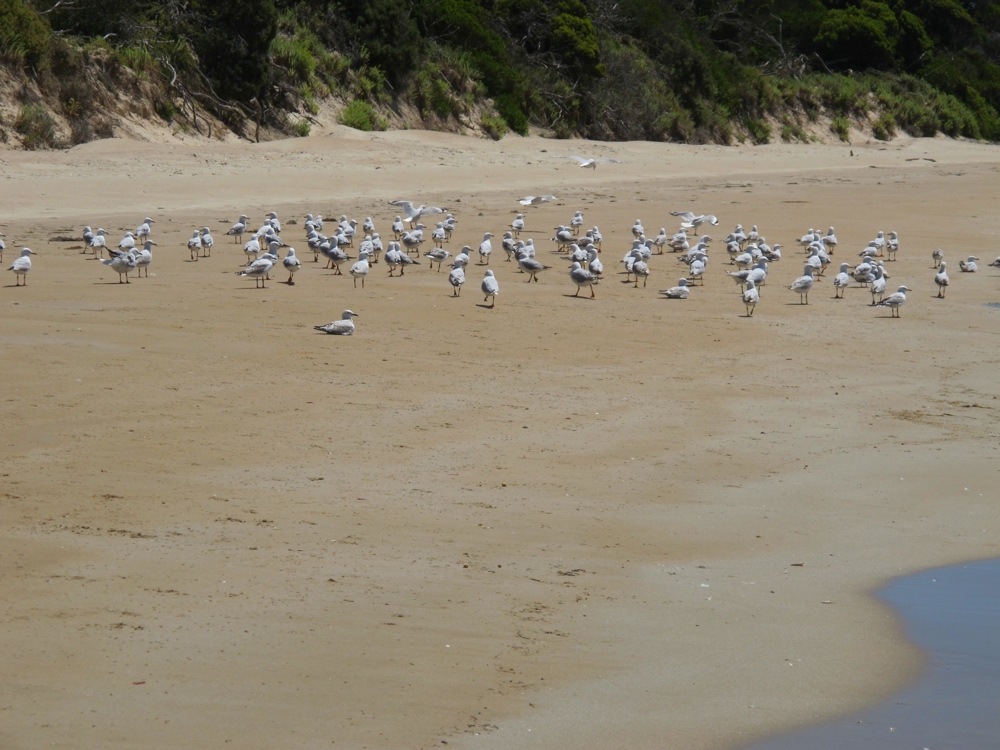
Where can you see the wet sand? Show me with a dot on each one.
(558, 523)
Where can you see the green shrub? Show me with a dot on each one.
(301, 128)
(842, 128)
(495, 127)
(36, 127)
(24, 34)
(360, 115)
(884, 127)
(759, 131)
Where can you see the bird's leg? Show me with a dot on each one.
(578, 292)
(592, 295)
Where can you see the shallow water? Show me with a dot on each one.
(954, 614)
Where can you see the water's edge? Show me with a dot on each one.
(953, 614)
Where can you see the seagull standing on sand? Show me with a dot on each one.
(531, 267)
(803, 284)
(517, 225)
(438, 255)
(88, 236)
(98, 242)
(143, 230)
(937, 255)
(360, 269)
(485, 248)
(258, 270)
(892, 245)
(490, 287)
(342, 327)
(456, 278)
(582, 277)
(194, 244)
(237, 229)
(21, 266)
(207, 242)
(291, 264)
(589, 163)
(895, 300)
(750, 297)
(941, 279)
(144, 258)
(127, 242)
(122, 264)
(841, 281)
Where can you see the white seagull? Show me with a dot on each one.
(360, 269)
(803, 284)
(237, 229)
(681, 291)
(342, 327)
(21, 266)
(291, 264)
(750, 297)
(535, 200)
(941, 279)
(258, 270)
(895, 300)
(412, 212)
(490, 288)
(456, 278)
(590, 163)
(582, 277)
(969, 265)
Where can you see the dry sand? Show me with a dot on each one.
(560, 523)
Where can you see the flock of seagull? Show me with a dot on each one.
(748, 252)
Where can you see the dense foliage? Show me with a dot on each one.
(692, 70)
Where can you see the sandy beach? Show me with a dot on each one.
(558, 523)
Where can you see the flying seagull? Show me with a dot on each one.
(590, 163)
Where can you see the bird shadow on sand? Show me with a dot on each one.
(13, 286)
(577, 296)
(484, 306)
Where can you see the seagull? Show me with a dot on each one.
(841, 280)
(258, 270)
(398, 228)
(122, 264)
(485, 248)
(895, 300)
(144, 229)
(996, 263)
(396, 258)
(21, 266)
(576, 223)
(360, 269)
(590, 163)
(681, 291)
(892, 245)
(194, 244)
(456, 278)
(144, 258)
(535, 200)
(830, 240)
(237, 229)
(640, 268)
(564, 236)
(207, 242)
(517, 225)
(660, 240)
(508, 244)
(369, 226)
(490, 288)
(291, 264)
(88, 237)
(342, 327)
(691, 220)
(751, 297)
(531, 267)
(98, 242)
(464, 257)
(942, 279)
(251, 248)
(803, 284)
(272, 219)
(969, 265)
(127, 242)
(438, 255)
(582, 277)
(437, 234)
(412, 212)
(595, 265)
(937, 255)
(878, 284)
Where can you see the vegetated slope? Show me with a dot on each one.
(684, 70)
